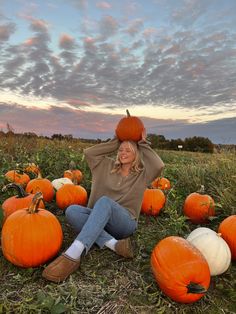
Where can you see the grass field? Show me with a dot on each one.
(107, 283)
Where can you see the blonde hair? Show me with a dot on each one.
(137, 164)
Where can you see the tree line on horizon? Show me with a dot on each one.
(193, 144)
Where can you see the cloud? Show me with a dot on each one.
(103, 5)
(77, 103)
(66, 42)
(134, 27)
(108, 26)
(81, 5)
(187, 66)
(6, 30)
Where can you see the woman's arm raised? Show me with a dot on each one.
(96, 153)
(152, 162)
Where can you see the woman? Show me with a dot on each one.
(113, 209)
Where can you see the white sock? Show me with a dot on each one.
(75, 250)
(111, 244)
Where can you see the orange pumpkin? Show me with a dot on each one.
(19, 201)
(43, 185)
(199, 207)
(74, 174)
(181, 271)
(153, 202)
(31, 236)
(32, 168)
(161, 183)
(129, 128)
(70, 194)
(227, 228)
(17, 177)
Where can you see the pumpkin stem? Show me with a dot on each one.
(195, 288)
(20, 191)
(33, 208)
(39, 175)
(202, 189)
(128, 114)
(72, 165)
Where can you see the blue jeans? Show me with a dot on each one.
(105, 221)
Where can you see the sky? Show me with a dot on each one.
(75, 66)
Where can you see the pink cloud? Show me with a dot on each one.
(149, 31)
(31, 41)
(39, 25)
(103, 5)
(6, 31)
(89, 40)
(77, 102)
(66, 41)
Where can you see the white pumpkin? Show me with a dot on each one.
(214, 248)
(57, 183)
(201, 230)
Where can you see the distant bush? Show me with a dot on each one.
(193, 144)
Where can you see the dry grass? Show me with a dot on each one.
(106, 283)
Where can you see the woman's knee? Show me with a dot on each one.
(104, 200)
(73, 212)
(77, 216)
(103, 204)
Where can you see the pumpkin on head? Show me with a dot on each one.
(129, 128)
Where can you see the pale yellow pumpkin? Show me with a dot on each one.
(214, 248)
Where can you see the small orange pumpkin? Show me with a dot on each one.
(181, 271)
(70, 194)
(153, 201)
(74, 174)
(129, 128)
(161, 183)
(227, 228)
(31, 236)
(32, 168)
(199, 207)
(19, 201)
(17, 177)
(43, 185)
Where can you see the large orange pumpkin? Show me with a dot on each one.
(129, 128)
(17, 177)
(227, 228)
(181, 271)
(153, 202)
(31, 236)
(70, 194)
(43, 185)
(161, 183)
(19, 201)
(199, 207)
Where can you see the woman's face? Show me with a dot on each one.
(126, 153)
